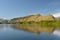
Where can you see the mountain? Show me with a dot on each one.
(35, 18)
(57, 18)
(3, 20)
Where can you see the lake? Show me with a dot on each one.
(17, 32)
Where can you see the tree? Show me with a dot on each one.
(51, 16)
(37, 14)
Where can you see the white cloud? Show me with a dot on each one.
(56, 14)
(4, 18)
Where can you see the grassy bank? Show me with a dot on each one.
(43, 23)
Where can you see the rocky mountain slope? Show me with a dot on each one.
(57, 18)
(35, 18)
(3, 20)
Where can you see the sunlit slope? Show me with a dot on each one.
(35, 18)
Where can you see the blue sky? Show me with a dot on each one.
(18, 8)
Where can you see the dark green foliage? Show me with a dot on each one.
(43, 23)
(37, 14)
(46, 23)
(0, 23)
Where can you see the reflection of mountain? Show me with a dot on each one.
(2, 26)
(33, 28)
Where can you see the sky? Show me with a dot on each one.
(18, 8)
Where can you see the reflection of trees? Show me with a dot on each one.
(34, 28)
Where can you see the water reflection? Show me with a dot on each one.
(33, 28)
(28, 32)
(56, 32)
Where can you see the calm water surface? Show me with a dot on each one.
(8, 32)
